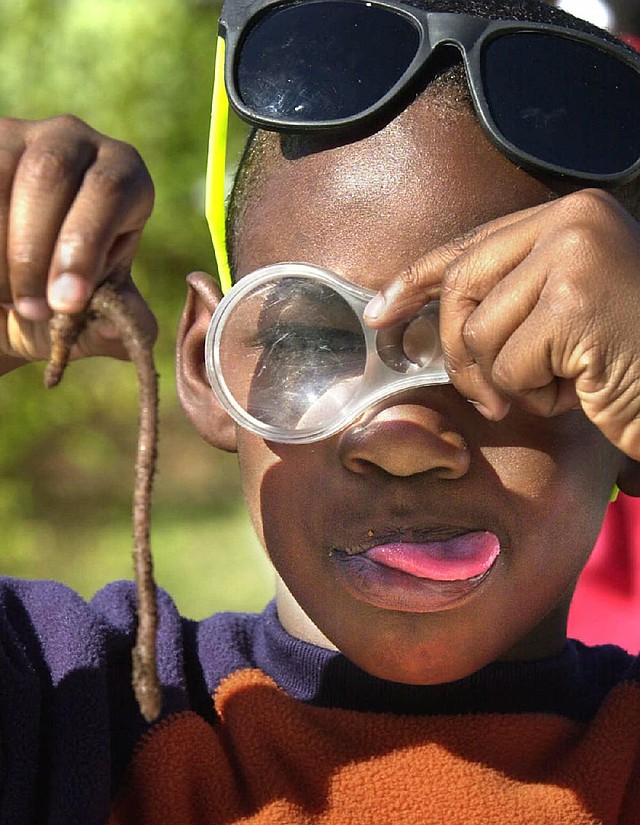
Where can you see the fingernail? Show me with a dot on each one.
(375, 307)
(68, 292)
(33, 309)
(500, 411)
(484, 411)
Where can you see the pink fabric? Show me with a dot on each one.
(631, 39)
(606, 604)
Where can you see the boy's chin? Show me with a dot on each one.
(429, 648)
(439, 663)
(433, 667)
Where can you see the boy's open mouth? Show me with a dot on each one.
(419, 574)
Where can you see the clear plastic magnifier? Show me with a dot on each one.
(290, 358)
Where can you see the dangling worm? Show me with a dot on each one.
(65, 329)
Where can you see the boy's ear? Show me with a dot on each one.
(629, 478)
(198, 401)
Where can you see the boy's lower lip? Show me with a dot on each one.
(420, 577)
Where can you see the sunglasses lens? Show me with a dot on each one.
(323, 61)
(563, 101)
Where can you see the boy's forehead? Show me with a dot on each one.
(374, 205)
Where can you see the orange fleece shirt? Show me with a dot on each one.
(296, 733)
(273, 759)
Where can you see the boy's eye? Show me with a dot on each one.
(287, 345)
(304, 341)
(296, 364)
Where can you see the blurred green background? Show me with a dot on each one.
(141, 72)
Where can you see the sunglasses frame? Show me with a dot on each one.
(467, 33)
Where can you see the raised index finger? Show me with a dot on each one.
(406, 293)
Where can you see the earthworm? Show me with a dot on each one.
(65, 328)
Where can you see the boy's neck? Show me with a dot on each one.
(295, 621)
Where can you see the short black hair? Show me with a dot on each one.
(452, 76)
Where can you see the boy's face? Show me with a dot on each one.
(424, 466)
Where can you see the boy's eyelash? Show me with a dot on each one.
(318, 338)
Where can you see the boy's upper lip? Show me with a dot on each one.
(413, 535)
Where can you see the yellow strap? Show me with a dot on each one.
(215, 208)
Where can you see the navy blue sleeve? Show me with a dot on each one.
(68, 719)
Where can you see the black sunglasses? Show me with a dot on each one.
(549, 97)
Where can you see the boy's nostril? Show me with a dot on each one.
(405, 440)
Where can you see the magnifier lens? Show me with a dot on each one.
(292, 352)
(410, 348)
(421, 341)
(289, 357)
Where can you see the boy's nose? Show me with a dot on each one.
(404, 440)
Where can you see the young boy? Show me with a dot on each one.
(414, 665)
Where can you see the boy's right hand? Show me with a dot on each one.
(73, 204)
(538, 308)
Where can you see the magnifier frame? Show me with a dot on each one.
(378, 381)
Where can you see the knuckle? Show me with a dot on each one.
(456, 362)
(412, 277)
(578, 247)
(459, 245)
(110, 179)
(131, 157)
(473, 336)
(21, 259)
(27, 272)
(458, 278)
(48, 167)
(123, 172)
(587, 205)
(505, 378)
(67, 123)
(540, 402)
(569, 299)
(77, 242)
(591, 198)
(572, 301)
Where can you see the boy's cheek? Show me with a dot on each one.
(564, 456)
(254, 462)
(289, 490)
(535, 481)
(275, 480)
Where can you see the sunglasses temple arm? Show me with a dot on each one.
(216, 165)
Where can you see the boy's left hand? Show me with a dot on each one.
(541, 307)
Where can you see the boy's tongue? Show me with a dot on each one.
(463, 557)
